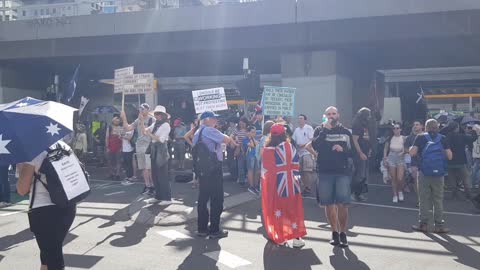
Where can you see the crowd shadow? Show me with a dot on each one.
(81, 261)
(345, 259)
(133, 235)
(197, 258)
(11, 241)
(465, 255)
(280, 257)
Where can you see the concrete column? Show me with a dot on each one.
(322, 79)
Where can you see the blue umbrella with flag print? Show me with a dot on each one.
(29, 126)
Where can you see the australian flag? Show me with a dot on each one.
(421, 108)
(72, 87)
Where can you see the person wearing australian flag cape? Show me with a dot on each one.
(282, 204)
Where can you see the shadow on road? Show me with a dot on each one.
(345, 259)
(279, 257)
(465, 254)
(81, 261)
(11, 241)
(196, 259)
(133, 235)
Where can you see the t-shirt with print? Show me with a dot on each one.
(362, 132)
(303, 136)
(142, 140)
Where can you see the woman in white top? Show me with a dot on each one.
(159, 156)
(394, 158)
(48, 222)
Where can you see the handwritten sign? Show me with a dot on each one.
(210, 100)
(278, 101)
(71, 175)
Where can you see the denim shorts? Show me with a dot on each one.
(395, 160)
(333, 189)
(252, 164)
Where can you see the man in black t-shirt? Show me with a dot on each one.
(414, 161)
(362, 148)
(430, 188)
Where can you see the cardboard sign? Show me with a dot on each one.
(210, 100)
(71, 175)
(278, 101)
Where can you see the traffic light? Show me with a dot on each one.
(249, 87)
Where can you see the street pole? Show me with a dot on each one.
(56, 88)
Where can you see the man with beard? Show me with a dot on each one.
(362, 146)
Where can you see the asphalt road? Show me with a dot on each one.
(379, 234)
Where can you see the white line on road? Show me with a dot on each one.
(12, 213)
(415, 209)
(227, 258)
(113, 193)
(174, 235)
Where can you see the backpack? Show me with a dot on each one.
(433, 157)
(68, 188)
(133, 140)
(204, 160)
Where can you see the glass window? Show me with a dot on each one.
(36, 12)
(47, 11)
(42, 12)
(54, 10)
(24, 13)
(69, 7)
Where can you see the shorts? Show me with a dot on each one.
(307, 163)
(143, 161)
(395, 160)
(252, 164)
(333, 189)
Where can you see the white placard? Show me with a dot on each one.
(135, 83)
(278, 101)
(121, 72)
(213, 99)
(71, 175)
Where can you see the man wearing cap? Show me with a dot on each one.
(333, 145)
(211, 185)
(141, 144)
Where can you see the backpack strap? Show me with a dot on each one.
(36, 177)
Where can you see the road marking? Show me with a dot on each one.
(113, 193)
(173, 235)
(227, 258)
(12, 213)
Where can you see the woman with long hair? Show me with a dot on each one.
(394, 157)
(282, 205)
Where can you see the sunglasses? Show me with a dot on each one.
(396, 128)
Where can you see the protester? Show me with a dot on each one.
(80, 142)
(113, 140)
(257, 120)
(99, 144)
(250, 147)
(142, 141)
(431, 176)
(458, 173)
(261, 145)
(239, 135)
(48, 222)
(476, 160)
(417, 129)
(302, 135)
(179, 142)
(127, 156)
(231, 161)
(158, 132)
(282, 205)
(333, 145)
(211, 183)
(4, 186)
(188, 138)
(363, 149)
(394, 157)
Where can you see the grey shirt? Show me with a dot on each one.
(143, 140)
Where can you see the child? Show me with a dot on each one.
(250, 146)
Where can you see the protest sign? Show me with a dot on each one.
(278, 101)
(210, 100)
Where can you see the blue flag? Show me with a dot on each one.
(72, 86)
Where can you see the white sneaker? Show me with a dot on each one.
(298, 243)
(165, 203)
(4, 204)
(151, 201)
(127, 182)
(395, 199)
(400, 196)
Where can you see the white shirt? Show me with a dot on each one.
(476, 149)
(162, 132)
(42, 197)
(303, 136)
(126, 144)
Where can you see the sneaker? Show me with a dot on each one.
(151, 191)
(165, 203)
(335, 239)
(151, 201)
(145, 191)
(219, 234)
(400, 197)
(422, 227)
(395, 199)
(252, 190)
(361, 198)
(4, 204)
(202, 234)
(298, 243)
(133, 178)
(343, 240)
(127, 182)
(441, 229)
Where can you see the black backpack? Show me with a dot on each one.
(55, 185)
(204, 160)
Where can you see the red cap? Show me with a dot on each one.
(277, 129)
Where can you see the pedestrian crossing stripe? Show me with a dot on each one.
(174, 235)
(227, 258)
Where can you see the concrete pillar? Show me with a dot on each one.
(322, 79)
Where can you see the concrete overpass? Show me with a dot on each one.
(326, 48)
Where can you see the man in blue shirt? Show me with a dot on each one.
(211, 185)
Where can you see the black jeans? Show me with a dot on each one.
(210, 189)
(161, 182)
(4, 184)
(128, 163)
(360, 176)
(50, 225)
